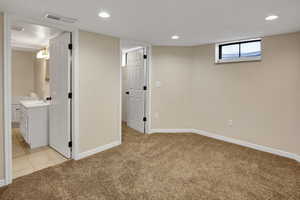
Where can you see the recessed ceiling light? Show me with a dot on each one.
(271, 17)
(175, 37)
(104, 14)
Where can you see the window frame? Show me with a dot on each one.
(218, 51)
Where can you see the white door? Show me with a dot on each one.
(59, 110)
(136, 76)
(124, 95)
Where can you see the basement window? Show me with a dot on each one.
(238, 51)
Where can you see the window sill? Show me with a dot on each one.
(257, 58)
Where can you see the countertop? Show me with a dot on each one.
(34, 103)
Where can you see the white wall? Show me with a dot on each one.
(262, 98)
(171, 66)
(22, 63)
(41, 85)
(99, 86)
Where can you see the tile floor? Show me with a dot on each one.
(27, 161)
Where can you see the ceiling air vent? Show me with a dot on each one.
(60, 18)
(17, 28)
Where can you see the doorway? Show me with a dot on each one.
(41, 96)
(135, 85)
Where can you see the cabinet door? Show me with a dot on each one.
(26, 133)
(17, 113)
(23, 122)
(13, 113)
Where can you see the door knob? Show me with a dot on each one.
(48, 98)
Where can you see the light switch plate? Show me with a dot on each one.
(158, 84)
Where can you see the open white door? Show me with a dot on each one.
(136, 74)
(59, 110)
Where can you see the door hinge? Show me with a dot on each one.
(70, 46)
(145, 56)
(70, 144)
(144, 119)
(70, 95)
(145, 87)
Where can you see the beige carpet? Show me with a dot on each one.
(166, 167)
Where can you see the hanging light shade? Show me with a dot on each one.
(43, 54)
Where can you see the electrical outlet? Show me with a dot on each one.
(156, 115)
(230, 122)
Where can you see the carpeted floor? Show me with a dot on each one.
(164, 167)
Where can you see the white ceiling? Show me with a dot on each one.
(33, 37)
(155, 21)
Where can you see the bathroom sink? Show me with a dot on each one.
(34, 103)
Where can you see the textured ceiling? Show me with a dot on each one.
(155, 21)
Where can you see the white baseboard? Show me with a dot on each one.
(2, 182)
(231, 140)
(171, 131)
(97, 150)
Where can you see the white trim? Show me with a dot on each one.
(148, 48)
(98, 150)
(2, 182)
(149, 89)
(7, 89)
(132, 49)
(75, 93)
(249, 144)
(248, 59)
(171, 131)
(7, 102)
(120, 92)
(232, 140)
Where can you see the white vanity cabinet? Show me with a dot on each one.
(34, 124)
(23, 123)
(16, 112)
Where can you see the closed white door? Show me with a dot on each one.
(136, 76)
(59, 110)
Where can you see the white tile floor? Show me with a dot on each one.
(27, 161)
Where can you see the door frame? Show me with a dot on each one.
(7, 89)
(148, 64)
